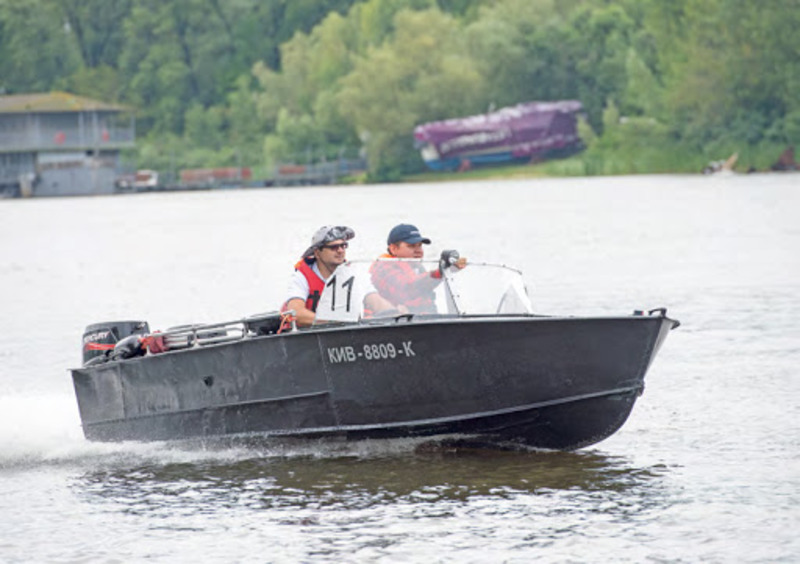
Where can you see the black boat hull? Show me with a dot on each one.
(558, 383)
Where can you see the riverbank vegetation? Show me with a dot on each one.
(667, 86)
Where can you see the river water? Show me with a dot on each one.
(705, 470)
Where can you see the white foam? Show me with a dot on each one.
(45, 431)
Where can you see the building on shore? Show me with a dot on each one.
(59, 144)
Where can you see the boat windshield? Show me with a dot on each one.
(409, 286)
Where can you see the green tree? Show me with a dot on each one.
(303, 93)
(36, 47)
(547, 50)
(601, 40)
(95, 27)
(102, 82)
(737, 70)
(643, 94)
(246, 128)
(423, 72)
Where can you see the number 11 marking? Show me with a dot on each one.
(347, 284)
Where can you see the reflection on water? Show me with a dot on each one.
(471, 505)
(428, 475)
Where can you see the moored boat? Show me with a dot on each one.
(525, 132)
(483, 364)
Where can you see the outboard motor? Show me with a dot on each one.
(100, 338)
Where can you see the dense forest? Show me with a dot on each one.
(667, 86)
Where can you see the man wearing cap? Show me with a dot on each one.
(407, 283)
(327, 251)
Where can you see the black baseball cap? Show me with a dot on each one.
(407, 233)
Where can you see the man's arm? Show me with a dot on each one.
(296, 299)
(303, 316)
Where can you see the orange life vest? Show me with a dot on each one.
(315, 283)
(423, 300)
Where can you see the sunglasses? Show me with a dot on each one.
(335, 247)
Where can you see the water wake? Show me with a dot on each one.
(45, 431)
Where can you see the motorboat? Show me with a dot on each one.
(527, 132)
(480, 364)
